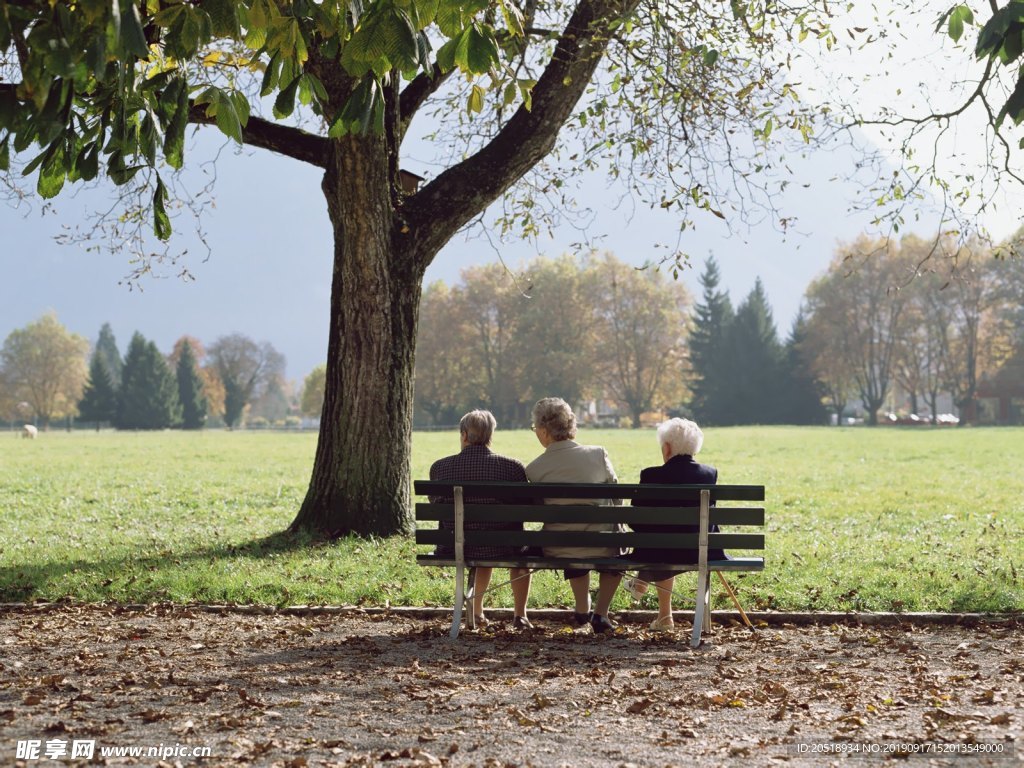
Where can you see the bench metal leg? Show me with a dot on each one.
(707, 605)
(460, 573)
(700, 609)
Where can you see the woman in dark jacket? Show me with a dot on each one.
(680, 441)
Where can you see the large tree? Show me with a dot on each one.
(861, 302)
(43, 364)
(688, 87)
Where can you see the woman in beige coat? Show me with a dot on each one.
(566, 461)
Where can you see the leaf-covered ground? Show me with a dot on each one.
(353, 689)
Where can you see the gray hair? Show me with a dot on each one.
(478, 427)
(554, 415)
(684, 435)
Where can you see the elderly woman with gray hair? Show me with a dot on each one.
(680, 441)
(566, 461)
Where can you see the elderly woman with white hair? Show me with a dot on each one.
(566, 461)
(680, 441)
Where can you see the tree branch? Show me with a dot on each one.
(454, 198)
(282, 139)
(418, 91)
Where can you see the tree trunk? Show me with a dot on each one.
(360, 480)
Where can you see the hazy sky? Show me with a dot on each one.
(268, 272)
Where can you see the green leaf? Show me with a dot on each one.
(133, 39)
(513, 19)
(710, 57)
(52, 174)
(446, 54)
(241, 107)
(1014, 106)
(88, 162)
(362, 113)
(223, 18)
(284, 104)
(478, 51)
(167, 16)
(228, 120)
(5, 154)
(510, 94)
(305, 91)
(161, 221)
(174, 130)
(476, 99)
(271, 75)
(1012, 44)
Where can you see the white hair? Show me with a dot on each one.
(684, 435)
(554, 415)
(478, 426)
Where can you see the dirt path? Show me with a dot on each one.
(361, 690)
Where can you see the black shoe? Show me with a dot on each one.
(582, 618)
(521, 622)
(601, 624)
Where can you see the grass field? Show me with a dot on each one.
(858, 519)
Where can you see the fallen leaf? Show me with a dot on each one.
(639, 706)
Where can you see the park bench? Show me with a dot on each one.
(523, 503)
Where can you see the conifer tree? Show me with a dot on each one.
(99, 399)
(756, 357)
(802, 394)
(190, 390)
(106, 350)
(149, 393)
(709, 352)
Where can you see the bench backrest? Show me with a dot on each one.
(524, 502)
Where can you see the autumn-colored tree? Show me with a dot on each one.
(44, 364)
(555, 334)
(640, 330)
(448, 374)
(312, 402)
(856, 312)
(489, 304)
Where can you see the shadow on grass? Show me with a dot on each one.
(30, 581)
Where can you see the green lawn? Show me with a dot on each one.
(859, 519)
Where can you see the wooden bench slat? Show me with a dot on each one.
(735, 564)
(577, 513)
(590, 490)
(592, 539)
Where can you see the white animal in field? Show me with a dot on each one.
(29, 431)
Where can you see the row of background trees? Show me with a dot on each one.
(883, 316)
(47, 374)
(927, 318)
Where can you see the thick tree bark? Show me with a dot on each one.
(360, 479)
